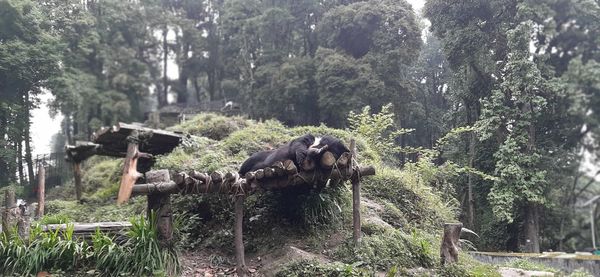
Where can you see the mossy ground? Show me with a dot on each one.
(404, 233)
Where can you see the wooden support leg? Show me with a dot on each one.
(77, 175)
(450, 244)
(160, 205)
(239, 241)
(355, 198)
(41, 193)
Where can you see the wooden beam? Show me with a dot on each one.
(130, 173)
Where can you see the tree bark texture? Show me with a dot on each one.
(450, 243)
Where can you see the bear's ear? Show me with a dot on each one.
(300, 156)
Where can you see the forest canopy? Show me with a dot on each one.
(511, 88)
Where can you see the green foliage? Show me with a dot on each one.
(94, 211)
(527, 264)
(410, 191)
(55, 219)
(380, 252)
(212, 126)
(378, 129)
(55, 251)
(306, 268)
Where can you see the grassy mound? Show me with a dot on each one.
(401, 233)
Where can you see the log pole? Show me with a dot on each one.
(8, 215)
(159, 204)
(41, 193)
(77, 177)
(355, 197)
(239, 240)
(450, 243)
(130, 173)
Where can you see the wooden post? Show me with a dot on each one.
(160, 205)
(130, 173)
(8, 215)
(23, 221)
(355, 197)
(450, 244)
(77, 175)
(239, 240)
(41, 193)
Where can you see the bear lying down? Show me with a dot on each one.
(295, 150)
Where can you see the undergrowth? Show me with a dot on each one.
(57, 250)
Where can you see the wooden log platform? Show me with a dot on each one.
(117, 229)
(279, 176)
(157, 142)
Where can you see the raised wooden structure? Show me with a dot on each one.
(325, 172)
(137, 144)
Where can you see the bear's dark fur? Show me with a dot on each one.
(295, 150)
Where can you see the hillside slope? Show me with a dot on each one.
(293, 232)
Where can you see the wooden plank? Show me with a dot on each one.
(130, 173)
(90, 227)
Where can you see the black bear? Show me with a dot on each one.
(295, 150)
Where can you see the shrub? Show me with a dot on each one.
(212, 126)
(309, 268)
(390, 248)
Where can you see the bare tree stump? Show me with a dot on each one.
(450, 243)
(41, 193)
(23, 221)
(9, 215)
(77, 175)
(160, 205)
(239, 240)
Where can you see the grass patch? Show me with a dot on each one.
(309, 268)
(382, 251)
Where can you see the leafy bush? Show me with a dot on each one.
(413, 201)
(309, 268)
(58, 250)
(212, 126)
(391, 248)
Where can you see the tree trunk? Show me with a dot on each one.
(532, 242)
(470, 199)
(20, 162)
(26, 137)
(162, 95)
(450, 243)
